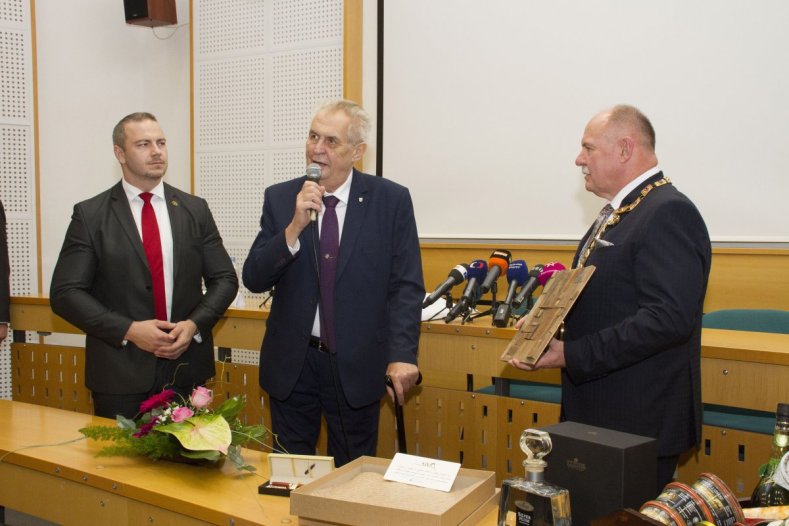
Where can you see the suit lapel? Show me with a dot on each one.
(174, 207)
(122, 211)
(358, 204)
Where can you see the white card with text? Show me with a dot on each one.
(422, 471)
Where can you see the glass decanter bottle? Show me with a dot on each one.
(767, 491)
(531, 501)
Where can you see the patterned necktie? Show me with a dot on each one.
(329, 247)
(591, 240)
(152, 244)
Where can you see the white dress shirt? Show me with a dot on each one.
(165, 231)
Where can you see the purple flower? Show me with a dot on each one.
(157, 400)
(144, 430)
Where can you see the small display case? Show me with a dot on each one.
(288, 472)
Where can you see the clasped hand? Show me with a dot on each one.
(163, 339)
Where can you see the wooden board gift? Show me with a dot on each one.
(547, 315)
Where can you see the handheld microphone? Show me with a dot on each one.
(531, 284)
(314, 175)
(517, 274)
(476, 273)
(456, 276)
(497, 265)
(548, 272)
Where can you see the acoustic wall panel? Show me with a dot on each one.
(261, 68)
(300, 22)
(17, 162)
(230, 103)
(298, 80)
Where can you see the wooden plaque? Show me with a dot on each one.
(544, 319)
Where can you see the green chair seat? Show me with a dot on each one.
(755, 320)
(539, 392)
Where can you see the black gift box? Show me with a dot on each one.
(604, 470)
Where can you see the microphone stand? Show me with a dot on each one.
(493, 304)
(448, 297)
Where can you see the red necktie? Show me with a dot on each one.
(153, 251)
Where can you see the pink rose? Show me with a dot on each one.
(181, 413)
(201, 397)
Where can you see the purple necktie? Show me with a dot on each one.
(329, 247)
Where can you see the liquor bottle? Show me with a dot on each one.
(532, 501)
(768, 492)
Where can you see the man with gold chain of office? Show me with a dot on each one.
(631, 352)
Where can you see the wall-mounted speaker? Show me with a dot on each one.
(150, 12)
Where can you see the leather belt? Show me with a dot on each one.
(316, 343)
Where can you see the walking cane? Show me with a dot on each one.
(401, 448)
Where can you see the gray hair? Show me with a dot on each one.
(359, 127)
(631, 117)
(119, 131)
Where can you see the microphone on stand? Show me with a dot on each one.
(517, 274)
(541, 277)
(456, 276)
(549, 270)
(498, 263)
(314, 175)
(529, 286)
(476, 273)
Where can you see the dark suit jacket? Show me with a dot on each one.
(378, 288)
(102, 283)
(5, 270)
(633, 338)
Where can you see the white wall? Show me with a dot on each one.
(485, 105)
(93, 69)
(370, 77)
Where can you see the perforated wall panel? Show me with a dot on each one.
(230, 103)
(17, 169)
(261, 68)
(300, 22)
(229, 26)
(299, 76)
(14, 71)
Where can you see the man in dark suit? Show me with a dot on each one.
(631, 354)
(310, 365)
(5, 278)
(103, 282)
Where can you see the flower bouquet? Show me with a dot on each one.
(185, 430)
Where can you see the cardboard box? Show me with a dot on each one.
(357, 495)
(604, 470)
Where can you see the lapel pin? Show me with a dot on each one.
(174, 202)
(361, 199)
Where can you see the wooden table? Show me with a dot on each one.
(61, 480)
(48, 471)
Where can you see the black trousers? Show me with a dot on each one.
(296, 421)
(666, 466)
(110, 405)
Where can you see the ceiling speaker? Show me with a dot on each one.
(150, 12)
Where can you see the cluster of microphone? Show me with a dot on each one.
(482, 276)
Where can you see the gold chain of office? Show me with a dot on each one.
(616, 214)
